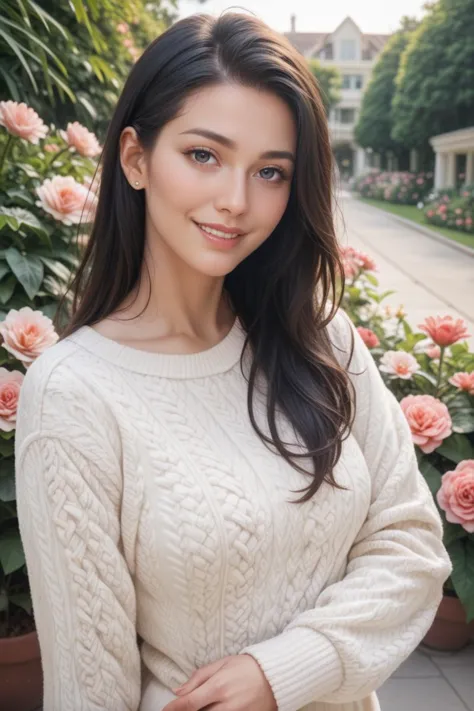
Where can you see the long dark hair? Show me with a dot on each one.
(285, 292)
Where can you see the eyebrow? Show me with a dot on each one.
(229, 143)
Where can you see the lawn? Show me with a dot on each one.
(411, 212)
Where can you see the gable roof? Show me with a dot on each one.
(309, 43)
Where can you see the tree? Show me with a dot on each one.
(329, 82)
(375, 123)
(435, 82)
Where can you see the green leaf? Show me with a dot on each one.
(7, 287)
(4, 269)
(370, 278)
(20, 195)
(463, 420)
(12, 556)
(431, 474)
(456, 448)
(58, 269)
(407, 329)
(452, 532)
(23, 218)
(28, 270)
(22, 600)
(461, 553)
(7, 447)
(7, 487)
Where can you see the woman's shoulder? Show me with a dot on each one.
(59, 391)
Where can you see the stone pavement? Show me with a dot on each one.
(430, 278)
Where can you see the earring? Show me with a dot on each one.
(137, 183)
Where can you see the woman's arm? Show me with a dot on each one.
(364, 626)
(69, 499)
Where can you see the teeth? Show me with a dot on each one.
(217, 233)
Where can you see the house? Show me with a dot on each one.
(354, 54)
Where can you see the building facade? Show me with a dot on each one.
(354, 54)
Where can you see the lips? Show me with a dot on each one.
(223, 229)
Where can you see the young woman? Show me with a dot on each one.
(217, 511)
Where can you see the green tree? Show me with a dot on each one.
(329, 82)
(68, 60)
(374, 127)
(435, 83)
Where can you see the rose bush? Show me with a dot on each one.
(46, 190)
(452, 208)
(399, 187)
(430, 370)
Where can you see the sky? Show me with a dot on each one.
(372, 16)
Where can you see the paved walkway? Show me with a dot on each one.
(430, 278)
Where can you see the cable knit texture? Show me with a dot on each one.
(159, 533)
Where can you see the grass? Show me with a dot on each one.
(411, 212)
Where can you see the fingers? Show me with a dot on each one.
(205, 696)
(199, 677)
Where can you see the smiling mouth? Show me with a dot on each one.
(218, 233)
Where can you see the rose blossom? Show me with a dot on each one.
(10, 384)
(123, 28)
(456, 496)
(463, 381)
(399, 363)
(23, 121)
(78, 137)
(51, 147)
(429, 420)
(27, 333)
(444, 330)
(65, 199)
(433, 352)
(369, 337)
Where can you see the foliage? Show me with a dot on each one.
(37, 255)
(363, 302)
(435, 83)
(69, 60)
(402, 188)
(374, 127)
(329, 82)
(452, 208)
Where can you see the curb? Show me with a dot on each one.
(424, 230)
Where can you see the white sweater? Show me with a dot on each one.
(150, 509)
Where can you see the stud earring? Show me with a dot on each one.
(137, 183)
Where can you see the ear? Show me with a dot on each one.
(132, 158)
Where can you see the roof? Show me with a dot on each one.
(312, 42)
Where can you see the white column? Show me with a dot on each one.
(360, 161)
(439, 175)
(451, 170)
(469, 168)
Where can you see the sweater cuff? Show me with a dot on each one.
(300, 665)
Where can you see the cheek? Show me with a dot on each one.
(269, 205)
(175, 185)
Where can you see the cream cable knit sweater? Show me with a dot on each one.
(149, 506)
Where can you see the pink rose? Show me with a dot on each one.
(459, 222)
(429, 420)
(123, 28)
(400, 364)
(51, 147)
(468, 221)
(456, 496)
(65, 199)
(10, 384)
(78, 137)
(27, 333)
(369, 337)
(445, 330)
(463, 381)
(433, 351)
(23, 121)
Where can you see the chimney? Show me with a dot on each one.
(293, 23)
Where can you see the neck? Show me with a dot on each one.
(175, 299)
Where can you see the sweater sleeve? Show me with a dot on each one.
(364, 626)
(68, 498)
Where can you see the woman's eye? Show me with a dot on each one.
(201, 156)
(269, 173)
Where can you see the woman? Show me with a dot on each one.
(217, 512)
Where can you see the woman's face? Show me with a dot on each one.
(225, 163)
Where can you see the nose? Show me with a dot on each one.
(233, 193)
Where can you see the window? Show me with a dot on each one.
(345, 116)
(359, 81)
(326, 52)
(352, 81)
(346, 81)
(348, 49)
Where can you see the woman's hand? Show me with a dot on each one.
(233, 683)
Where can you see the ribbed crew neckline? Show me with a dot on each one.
(217, 359)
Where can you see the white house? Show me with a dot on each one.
(354, 54)
(454, 158)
